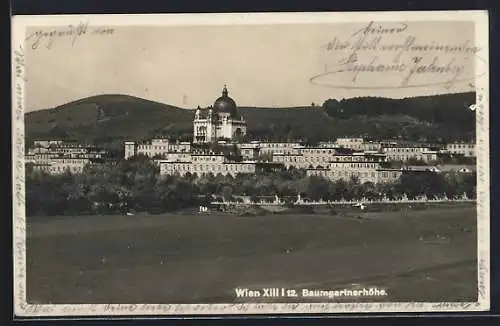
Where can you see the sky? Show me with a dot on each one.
(267, 65)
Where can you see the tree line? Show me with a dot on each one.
(446, 110)
(136, 185)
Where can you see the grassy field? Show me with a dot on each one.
(425, 255)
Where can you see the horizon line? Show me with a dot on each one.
(317, 105)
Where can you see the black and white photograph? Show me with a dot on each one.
(260, 163)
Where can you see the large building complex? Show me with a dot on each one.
(57, 156)
(218, 147)
(366, 167)
(341, 159)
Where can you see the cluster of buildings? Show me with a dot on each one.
(57, 156)
(344, 158)
(218, 147)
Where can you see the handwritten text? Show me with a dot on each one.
(389, 56)
(19, 227)
(46, 38)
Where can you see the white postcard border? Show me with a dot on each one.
(23, 309)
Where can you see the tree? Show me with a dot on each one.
(317, 188)
(415, 161)
(227, 193)
(426, 183)
(369, 191)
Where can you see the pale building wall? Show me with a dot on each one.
(226, 128)
(130, 149)
(206, 167)
(386, 176)
(161, 147)
(466, 149)
(406, 153)
(317, 158)
(179, 156)
(180, 147)
(279, 148)
(291, 160)
(58, 166)
(210, 129)
(56, 157)
(371, 146)
(364, 173)
(353, 143)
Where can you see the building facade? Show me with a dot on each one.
(205, 163)
(401, 152)
(271, 148)
(368, 173)
(57, 156)
(155, 148)
(461, 148)
(365, 167)
(220, 121)
(61, 165)
(355, 143)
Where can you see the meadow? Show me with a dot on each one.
(186, 257)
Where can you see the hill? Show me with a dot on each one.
(450, 110)
(108, 120)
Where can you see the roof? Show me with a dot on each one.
(420, 168)
(288, 154)
(223, 104)
(207, 154)
(456, 168)
(249, 146)
(442, 168)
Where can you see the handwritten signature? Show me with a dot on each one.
(417, 66)
(73, 32)
(371, 50)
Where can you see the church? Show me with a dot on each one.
(219, 122)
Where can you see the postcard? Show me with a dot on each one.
(250, 163)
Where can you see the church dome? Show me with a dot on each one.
(225, 104)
